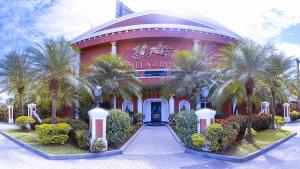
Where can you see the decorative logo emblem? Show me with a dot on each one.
(143, 51)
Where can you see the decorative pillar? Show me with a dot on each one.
(205, 118)
(265, 107)
(198, 100)
(171, 105)
(31, 109)
(97, 120)
(140, 105)
(10, 114)
(286, 112)
(113, 48)
(196, 46)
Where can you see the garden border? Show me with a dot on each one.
(232, 158)
(243, 158)
(73, 156)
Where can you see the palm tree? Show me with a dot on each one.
(193, 72)
(278, 67)
(116, 77)
(247, 66)
(55, 63)
(15, 72)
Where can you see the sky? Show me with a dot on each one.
(24, 22)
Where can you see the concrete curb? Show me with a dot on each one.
(128, 143)
(174, 134)
(243, 158)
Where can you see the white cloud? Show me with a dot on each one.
(292, 50)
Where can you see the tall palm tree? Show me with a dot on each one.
(193, 72)
(116, 77)
(54, 63)
(278, 67)
(247, 66)
(15, 72)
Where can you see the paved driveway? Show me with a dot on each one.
(286, 156)
(154, 140)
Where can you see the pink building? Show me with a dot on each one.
(147, 40)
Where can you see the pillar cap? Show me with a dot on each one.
(98, 112)
(286, 104)
(205, 113)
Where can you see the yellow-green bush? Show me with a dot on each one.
(53, 133)
(214, 134)
(82, 138)
(22, 121)
(279, 121)
(253, 132)
(294, 115)
(198, 140)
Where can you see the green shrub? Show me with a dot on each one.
(138, 118)
(172, 120)
(117, 127)
(294, 115)
(76, 124)
(229, 137)
(23, 121)
(253, 132)
(53, 133)
(97, 146)
(198, 140)
(83, 139)
(186, 125)
(261, 121)
(214, 133)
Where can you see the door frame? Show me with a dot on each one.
(160, 114)
(164, 109)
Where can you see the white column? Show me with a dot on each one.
(286, 112)
(29, 110)
(171, 105)
(10, 114)
(196, 46)
(113, 48)
(198, 99)
(115, 102)
(140, 105)
(97, 118)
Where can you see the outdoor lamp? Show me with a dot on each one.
(97, 93)
(204, 93)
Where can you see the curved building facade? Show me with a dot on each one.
(147, 40)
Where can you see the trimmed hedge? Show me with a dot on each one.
(53, 133)
(83, 139)
(214, 133)
(23, 121)
(117, 128)
(186, 125)
(261, 121)
(48, 120)
(198, 140)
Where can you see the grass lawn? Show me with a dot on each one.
(31, 138)
(262, 139)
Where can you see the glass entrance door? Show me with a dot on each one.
(155, 111)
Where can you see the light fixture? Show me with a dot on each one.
(97, 93)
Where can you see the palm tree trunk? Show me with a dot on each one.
(273, 108)
(53, 92)
(249, 136)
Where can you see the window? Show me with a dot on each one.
(155, 73)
